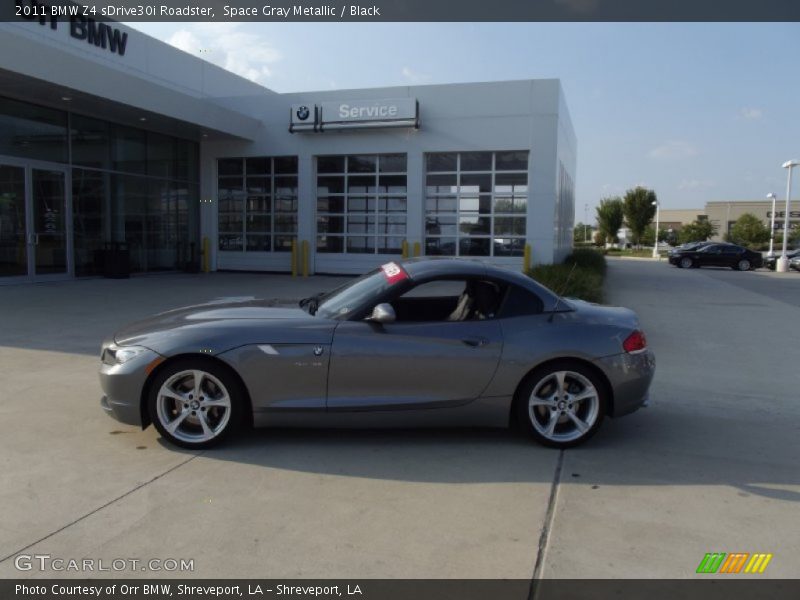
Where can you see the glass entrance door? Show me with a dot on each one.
(13, 223)
(49, 220)
(33, 221)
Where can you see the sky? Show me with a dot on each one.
(697, 112)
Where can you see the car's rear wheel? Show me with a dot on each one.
(686, 263)
(195, 403)
(562, 405)
(743, 265)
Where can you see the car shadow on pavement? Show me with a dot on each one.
(657, 446)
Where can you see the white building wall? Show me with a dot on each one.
(515, 115)
(240, 118)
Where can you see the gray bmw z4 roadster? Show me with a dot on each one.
(424, 342)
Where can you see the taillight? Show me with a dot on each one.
(635, 342)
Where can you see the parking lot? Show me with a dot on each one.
(710, 466)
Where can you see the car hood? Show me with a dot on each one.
(216, 327)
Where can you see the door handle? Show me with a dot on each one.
(476, 342)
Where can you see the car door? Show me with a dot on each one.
(710, 256)
(730, 256)
(404, 365)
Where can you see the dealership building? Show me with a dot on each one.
(111, 139)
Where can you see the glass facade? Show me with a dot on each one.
(13, 249)
(134, 187)
(476, 203)
(129, 185)
(361, 203)
(257, 203)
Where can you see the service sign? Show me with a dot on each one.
(354, 114)
(359, 111)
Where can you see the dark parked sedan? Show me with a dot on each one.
(770, 261)
(687, 247)
(443, 342)
(718, 255)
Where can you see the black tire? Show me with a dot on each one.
(686, 263)
(540, 378)
(744, 265)
(217, 383)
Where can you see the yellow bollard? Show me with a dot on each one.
(404, 252)
(526, 259)
(305, 258)
(294, 258)
(206, 255)
(417, 248)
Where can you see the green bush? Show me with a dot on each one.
(584, 283)
(587, 259)
(581, 275)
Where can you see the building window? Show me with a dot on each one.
(257, 201)
(565, 209)
(361, 203)
(30, 131)
(476, 203)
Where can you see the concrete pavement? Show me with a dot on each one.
(710, 466)
(77, 484)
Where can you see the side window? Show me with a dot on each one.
(450, 300)
(520, 302)
(731, 250)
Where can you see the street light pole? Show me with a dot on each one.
(782, 265)
(586, 222)
(771, 226)
(658, 211)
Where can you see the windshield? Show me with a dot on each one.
(344, 299)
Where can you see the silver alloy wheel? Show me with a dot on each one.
(563, 406)
(194, 406)
(686, 262)
(744, 265)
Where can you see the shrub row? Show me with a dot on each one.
(580, 276)
(587, 259)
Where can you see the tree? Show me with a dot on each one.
(648, 237)
(639, 209)
(609, 218)
(697, 231)
(749, 231)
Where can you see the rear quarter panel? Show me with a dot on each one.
(532, 340)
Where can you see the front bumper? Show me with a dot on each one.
(630, 376)
(122, 386)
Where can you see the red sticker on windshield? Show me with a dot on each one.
(394, 273)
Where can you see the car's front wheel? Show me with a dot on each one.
(743, 265)
(686, 263)
(195, 403)
(562, 405)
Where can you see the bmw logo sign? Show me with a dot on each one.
(302, 113)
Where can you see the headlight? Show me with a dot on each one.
(116, 355)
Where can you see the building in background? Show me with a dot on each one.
(676, 218)
(724, 214)
(132, 141)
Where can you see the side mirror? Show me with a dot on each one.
(382, 313)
